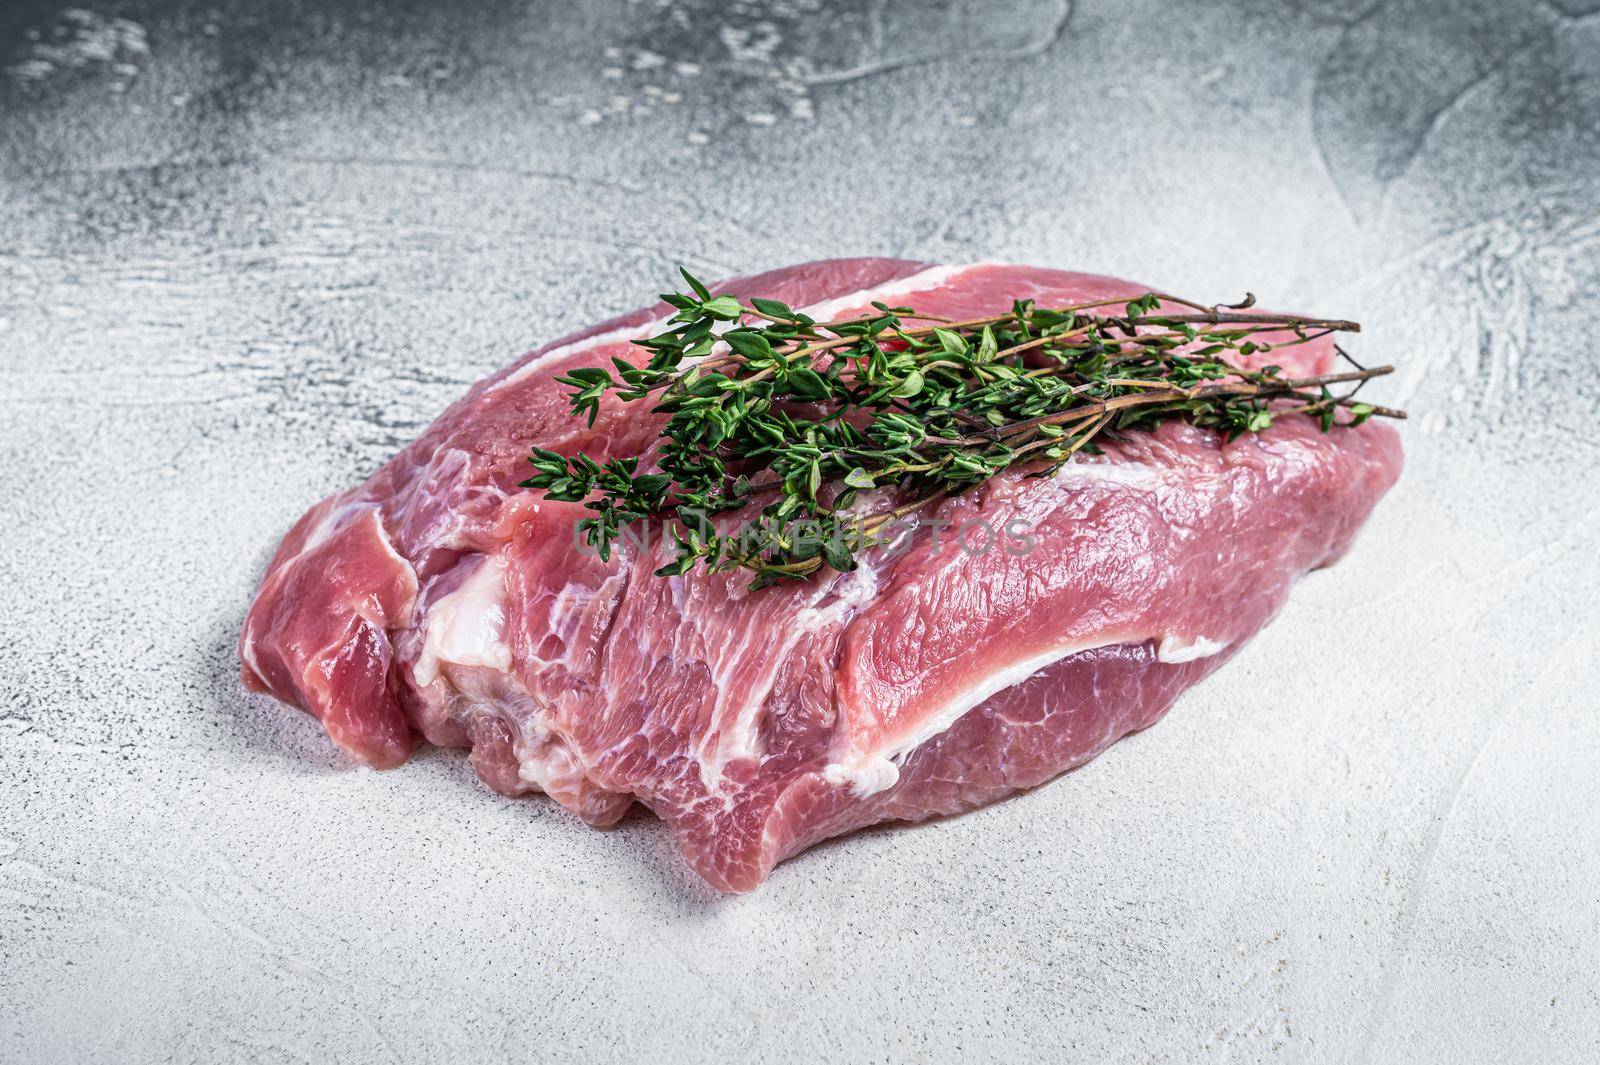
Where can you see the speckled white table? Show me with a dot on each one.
(248, 250)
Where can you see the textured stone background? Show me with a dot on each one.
(249, 248)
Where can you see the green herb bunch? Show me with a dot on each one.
(792, 420)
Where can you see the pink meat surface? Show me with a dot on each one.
(438, 600)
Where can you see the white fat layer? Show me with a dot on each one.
(932, 277)
(823, 311)
(865, 777)
(871, 772)
(468, 626)
(324, 528)
(556, 354)
(1174, 649)
(247, 651)
(741, 738)
(1127, 474)
(330, 523)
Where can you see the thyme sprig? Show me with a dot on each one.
(766, 406)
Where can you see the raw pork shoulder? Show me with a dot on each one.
(438, 600)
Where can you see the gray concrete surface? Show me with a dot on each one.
(248, 249)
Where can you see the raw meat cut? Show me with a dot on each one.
(438, 600)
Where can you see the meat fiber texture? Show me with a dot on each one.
(438, 601)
